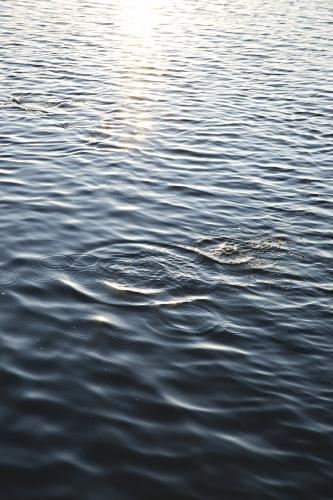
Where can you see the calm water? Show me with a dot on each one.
(166, 249)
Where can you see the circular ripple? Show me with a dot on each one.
(188, 321)
(59, 262)
(83, 261)
(146, 268)
(7, 278)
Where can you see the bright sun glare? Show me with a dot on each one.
(141, 63)
(139, 17)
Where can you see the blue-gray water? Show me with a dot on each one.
(166, 249)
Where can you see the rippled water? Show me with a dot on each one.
(166, 249)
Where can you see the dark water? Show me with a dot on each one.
(166, 249)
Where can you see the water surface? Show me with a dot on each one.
(166, 249)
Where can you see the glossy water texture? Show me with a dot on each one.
(166, 249)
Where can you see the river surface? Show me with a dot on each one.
(166, 249)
